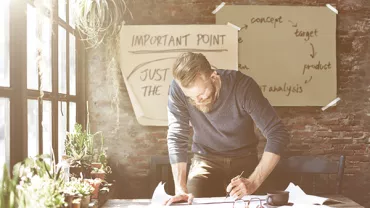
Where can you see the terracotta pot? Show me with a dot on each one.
(85, 201)
(96, 185)
(86, 172)
(69, 198)
(75, 171)
(97, 175)
(96, 165)
(76, 203)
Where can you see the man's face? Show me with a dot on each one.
(202, 93)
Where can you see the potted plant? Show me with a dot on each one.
(98, 173)
(79, 149)
(9, 196)
(100, 167)
(95, 183)
(38, 184)
(77, 188)
(85, 190)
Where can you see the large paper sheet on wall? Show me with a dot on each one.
(149, 51)
(289, 50)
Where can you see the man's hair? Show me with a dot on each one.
(188, 66)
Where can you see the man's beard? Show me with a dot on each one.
(204, 108)
(207, 105)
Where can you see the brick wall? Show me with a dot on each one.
(343, 129)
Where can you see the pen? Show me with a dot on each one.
(228, 193)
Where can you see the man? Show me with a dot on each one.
(221, 106)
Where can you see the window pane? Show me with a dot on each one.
(62, 127)
(62, 53)
(33, 127)
(4, 43)
(4, 132)
(72, 116)
(38, 24)
(62, 8)
(72, 65)
(32, 77)
(72, 10)
(46, 127)
(46, 54)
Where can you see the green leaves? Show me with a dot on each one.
(79, 146)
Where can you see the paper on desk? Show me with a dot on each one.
(159, 195)
(298, 196)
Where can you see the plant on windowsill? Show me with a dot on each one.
(100, 167)
(95, 183)
(79, 150)
(85, 189)
(36, 184)
(9, 196)
(78, 188)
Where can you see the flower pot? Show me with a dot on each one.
(75, 171)
(97, 175)
(68, 199)
(86, 172)
(96, 165)
(76, 203)
(85, 201)
(96, 185)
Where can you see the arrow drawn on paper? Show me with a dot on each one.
(293, 24)
(313, 51)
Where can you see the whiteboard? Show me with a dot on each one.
(289, 50)
(147, 53)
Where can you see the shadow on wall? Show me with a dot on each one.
(129, 184)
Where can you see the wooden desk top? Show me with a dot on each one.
(135, 203)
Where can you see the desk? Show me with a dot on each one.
(135, 203)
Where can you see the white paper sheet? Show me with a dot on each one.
(159, 195)
(298, 196)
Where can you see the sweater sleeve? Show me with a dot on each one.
(263, 115)
(178, 125)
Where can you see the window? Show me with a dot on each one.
(41, 91)
(4, 132)
(4, 85)
(4, 43)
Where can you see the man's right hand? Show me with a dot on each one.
(180, 198)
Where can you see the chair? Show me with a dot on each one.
(160, 170)
(309, 173)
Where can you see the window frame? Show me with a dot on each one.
(18, 93)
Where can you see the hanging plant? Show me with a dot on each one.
(99, 23)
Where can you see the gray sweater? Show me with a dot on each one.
(228, 129)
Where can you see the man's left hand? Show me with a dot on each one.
(240, 187)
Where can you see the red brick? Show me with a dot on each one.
(342, 152)
(341, 141)
(352, 170)
(360, 158)
(301, 134)
(355, 147)
(326, 134)
(354, 134)
(317, 151)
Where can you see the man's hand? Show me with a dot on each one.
(180, 198)
(240, 187)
